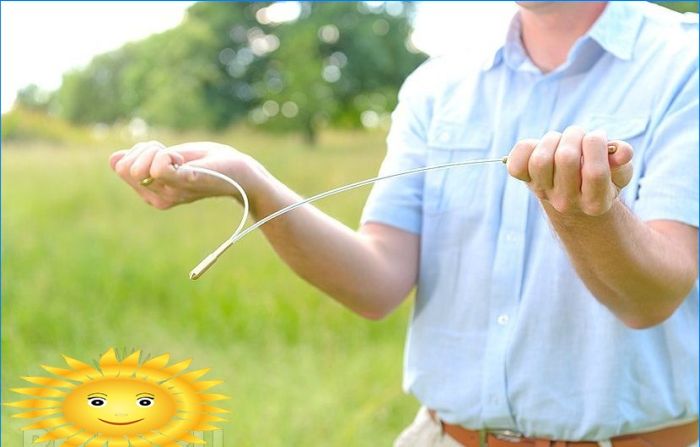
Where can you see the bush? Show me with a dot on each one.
(21, 124)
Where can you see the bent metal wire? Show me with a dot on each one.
(237, 235)
(240, 233)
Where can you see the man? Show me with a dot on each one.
(558, 310)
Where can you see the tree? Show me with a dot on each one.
(229, 61)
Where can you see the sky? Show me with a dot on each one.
(42, 40)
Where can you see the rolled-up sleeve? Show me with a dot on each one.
(398, 201)
(668, 189)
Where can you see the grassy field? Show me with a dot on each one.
(86, 266)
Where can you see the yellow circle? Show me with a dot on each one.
(119, 406)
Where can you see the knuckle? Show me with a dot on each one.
(568, 155)
(136, 171)
(561, 204)
(158, 170)
(593, 138)
(122, 168)
(540, 161)
(597, 174)
(522, 145)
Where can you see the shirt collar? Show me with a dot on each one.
(615, 31)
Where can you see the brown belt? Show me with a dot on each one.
(678, 436)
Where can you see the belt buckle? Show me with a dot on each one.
(507, 435)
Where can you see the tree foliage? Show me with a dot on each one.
(230, 61)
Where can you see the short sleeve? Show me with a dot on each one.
(668, 188)
(398, 201)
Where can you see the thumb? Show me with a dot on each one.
(621, 163)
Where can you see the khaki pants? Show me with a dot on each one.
(425, 432)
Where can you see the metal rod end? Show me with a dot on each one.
(203, 266)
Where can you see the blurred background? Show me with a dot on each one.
(307, 89)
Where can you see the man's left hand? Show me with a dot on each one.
(573, 171)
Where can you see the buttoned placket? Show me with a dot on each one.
(509, 264)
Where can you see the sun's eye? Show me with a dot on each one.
(144, 401)
(97, 401)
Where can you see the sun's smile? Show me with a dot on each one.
(121, 423)
(165, 402)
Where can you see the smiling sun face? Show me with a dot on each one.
(121, 403)
(119, 406)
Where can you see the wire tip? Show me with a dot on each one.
(203, 266)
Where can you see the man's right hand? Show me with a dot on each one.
(171, 186)
(370, 272)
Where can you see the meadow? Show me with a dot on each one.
(86, 265)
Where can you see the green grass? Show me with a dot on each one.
(86, 266)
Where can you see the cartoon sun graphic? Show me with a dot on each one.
(121, 403)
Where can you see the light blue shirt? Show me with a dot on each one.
(504, 334)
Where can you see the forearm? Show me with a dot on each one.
(350, 266)
(640, 274)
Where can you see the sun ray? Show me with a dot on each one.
(213, 397)
(117, 442)
(109, 364)
(156, 363)
(77, 440)
(97, 441)
(58, 433)
(194, 375)
(206, 384)
(46, 424)
(212, 409)
(187, 437)
(131, 362)
(69, 374)
(49, 382)
(39, 392)
(34, 403)
(178, 367)
(207, 427)
(140, 442)
(76, 364)
(36, 413)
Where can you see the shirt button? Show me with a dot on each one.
(444, 137)
(503, 319)
(511, 236)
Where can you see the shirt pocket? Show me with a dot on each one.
(448, 142)
(627, 129)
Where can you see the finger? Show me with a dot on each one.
(141, 167)
(134, 152)
(519, 157)
(541, 164)
(115, 157)
(595, 173)
(123, 166)
(567, 162)
(622, 155)
(163, 165)
(192, 151)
